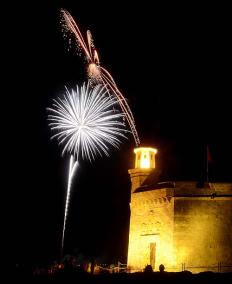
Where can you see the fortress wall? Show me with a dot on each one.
(202, 230)
(151, 229)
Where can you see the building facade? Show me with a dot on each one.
(179, 224)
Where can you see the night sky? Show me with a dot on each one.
(171, 63)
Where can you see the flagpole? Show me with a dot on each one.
(207, 165)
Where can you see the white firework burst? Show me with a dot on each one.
(86, 122)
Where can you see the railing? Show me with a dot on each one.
(112, 268)
(219, 267)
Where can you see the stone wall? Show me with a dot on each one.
(181, 225)
(151, 229)
(202, 232)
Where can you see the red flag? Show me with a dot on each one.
(209, 156)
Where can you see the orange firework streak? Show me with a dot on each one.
(96, 73)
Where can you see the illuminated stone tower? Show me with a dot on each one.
(151, 216)
(178, 224)
(144, 165)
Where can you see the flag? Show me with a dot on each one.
(209, 155)
(209, 161)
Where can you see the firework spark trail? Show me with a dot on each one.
(86, 125)
(70, 25)
(123, 104)
(72, 168)
(96, 73)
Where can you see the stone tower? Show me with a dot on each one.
(144, 165)
(178, 224)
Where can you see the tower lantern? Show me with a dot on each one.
(145, 158)
(144, 165)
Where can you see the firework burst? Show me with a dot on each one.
(85, 123)
(96, 73)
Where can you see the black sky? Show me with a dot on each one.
(172, 64)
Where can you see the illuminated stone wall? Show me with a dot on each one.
(138, 176)
(203, 227)
(151, 229)
(181, 225)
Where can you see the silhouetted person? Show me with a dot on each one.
(148, 269)
(161, 268)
